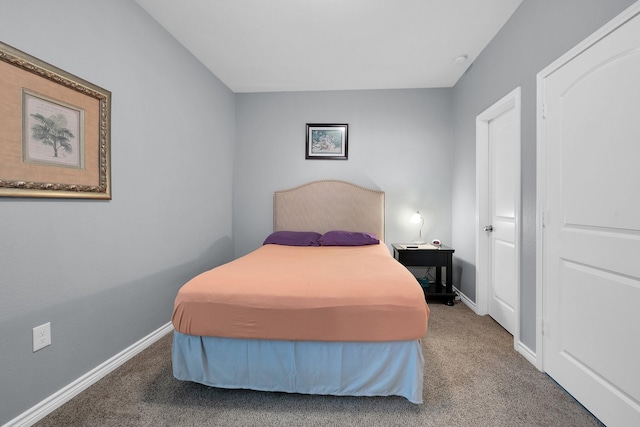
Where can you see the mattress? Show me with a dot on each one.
(326, 293)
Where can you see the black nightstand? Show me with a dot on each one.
(430, 256)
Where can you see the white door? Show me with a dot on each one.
(589, 166)
(498, 141)
(503, 136)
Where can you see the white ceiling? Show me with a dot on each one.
(296, 45)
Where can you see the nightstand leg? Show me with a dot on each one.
(449, 280)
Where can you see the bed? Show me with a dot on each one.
(329, 312)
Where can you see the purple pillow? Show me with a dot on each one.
(293, 238)
(348, 238)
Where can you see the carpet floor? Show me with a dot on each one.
(473, 377)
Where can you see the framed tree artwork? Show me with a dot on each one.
(54, 131)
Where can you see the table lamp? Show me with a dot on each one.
(416, 218)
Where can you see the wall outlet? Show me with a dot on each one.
(41, 336)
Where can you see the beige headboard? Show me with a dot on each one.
(329, 205)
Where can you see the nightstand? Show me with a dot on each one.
(427, 255)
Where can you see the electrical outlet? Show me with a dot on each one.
(41, 336)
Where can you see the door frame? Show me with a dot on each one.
(599, 34)
(483, 246)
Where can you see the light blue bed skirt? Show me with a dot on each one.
(309, 367)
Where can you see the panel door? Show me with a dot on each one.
(591, 234)
(503, 141)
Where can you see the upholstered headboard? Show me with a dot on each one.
(329, 205)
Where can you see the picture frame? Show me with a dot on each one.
(325, 141)
(54, 131)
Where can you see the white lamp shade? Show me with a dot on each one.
(416, 218)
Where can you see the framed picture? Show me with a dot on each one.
(327, 141)
(54, 131)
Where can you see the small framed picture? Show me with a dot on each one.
(327, 141)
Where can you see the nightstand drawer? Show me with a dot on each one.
(417, 258)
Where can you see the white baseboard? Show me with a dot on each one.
(53, 402)
(466, 301)
(527, 353)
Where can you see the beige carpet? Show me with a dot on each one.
(473, 377)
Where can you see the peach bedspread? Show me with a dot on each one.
(327, 293)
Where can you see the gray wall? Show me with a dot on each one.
(399, 142)
(105, 273)
(539, 32)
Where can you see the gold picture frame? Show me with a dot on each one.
(54, 131)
